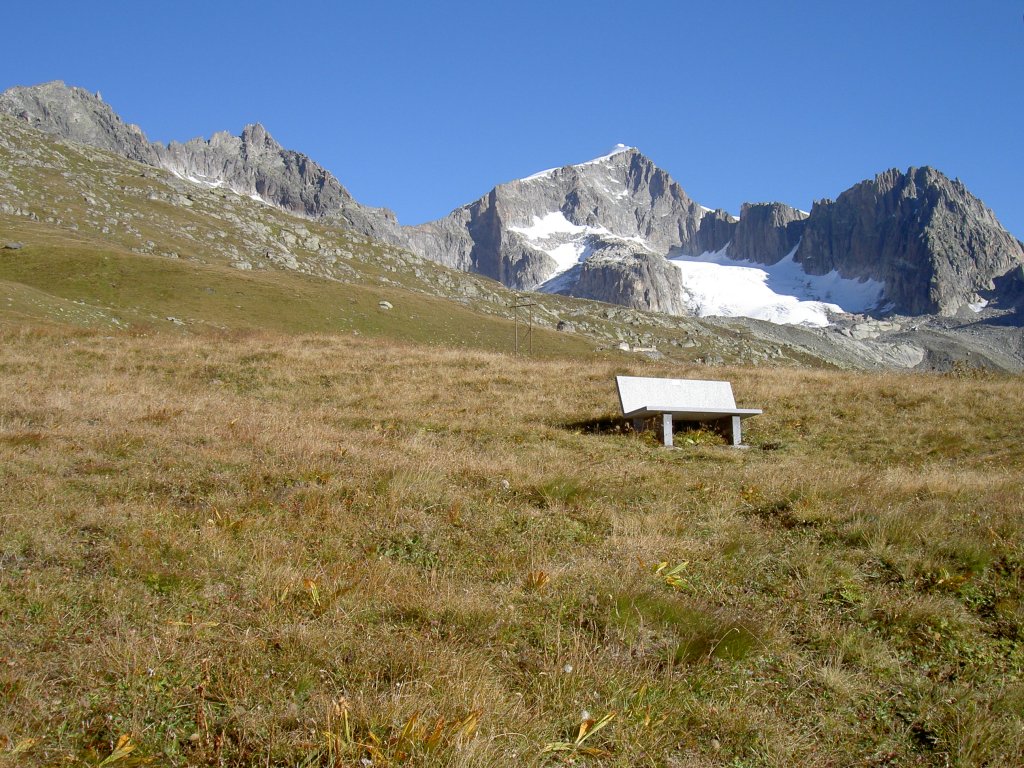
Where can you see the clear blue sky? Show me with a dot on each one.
(424, 106)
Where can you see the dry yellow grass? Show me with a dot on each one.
(260, 549)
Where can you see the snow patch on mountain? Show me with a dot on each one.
(539, 175)
(713, 283)
(215, 183)
(212, 183)
(565, 242)
(781, 293)
(548, 225)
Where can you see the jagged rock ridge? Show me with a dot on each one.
(78, 115)
(251, 164)
(766, 232)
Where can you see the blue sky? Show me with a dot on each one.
(422, 107)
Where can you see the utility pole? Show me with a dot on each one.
(523, 302)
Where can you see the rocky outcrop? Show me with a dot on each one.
(77, 115)
(717, 229)
(933, 243)
(1008, 294)
(623, 273)
(254, 164)
(251, 164)
(766, 232)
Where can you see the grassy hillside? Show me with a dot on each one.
(94, 285)
(246, 548)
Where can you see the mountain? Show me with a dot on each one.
(933, 244)
(619, 229)
(615, 217)
(252, 164)
(90, 238)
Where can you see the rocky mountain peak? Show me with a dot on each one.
(255, 135)
(76, 114)
(529, 231)
(222, 139)
(931, 241)
(619, 156)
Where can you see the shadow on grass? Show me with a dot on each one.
(691, 433)
(609, 425)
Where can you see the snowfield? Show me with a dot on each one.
(617, 149)
(714, 284)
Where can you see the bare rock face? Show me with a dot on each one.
(77, 115)
(252, 164)
(1008, 292)
(766, 232)
(448, 241)
(255, 164)
(717, 230)
(933, 243)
